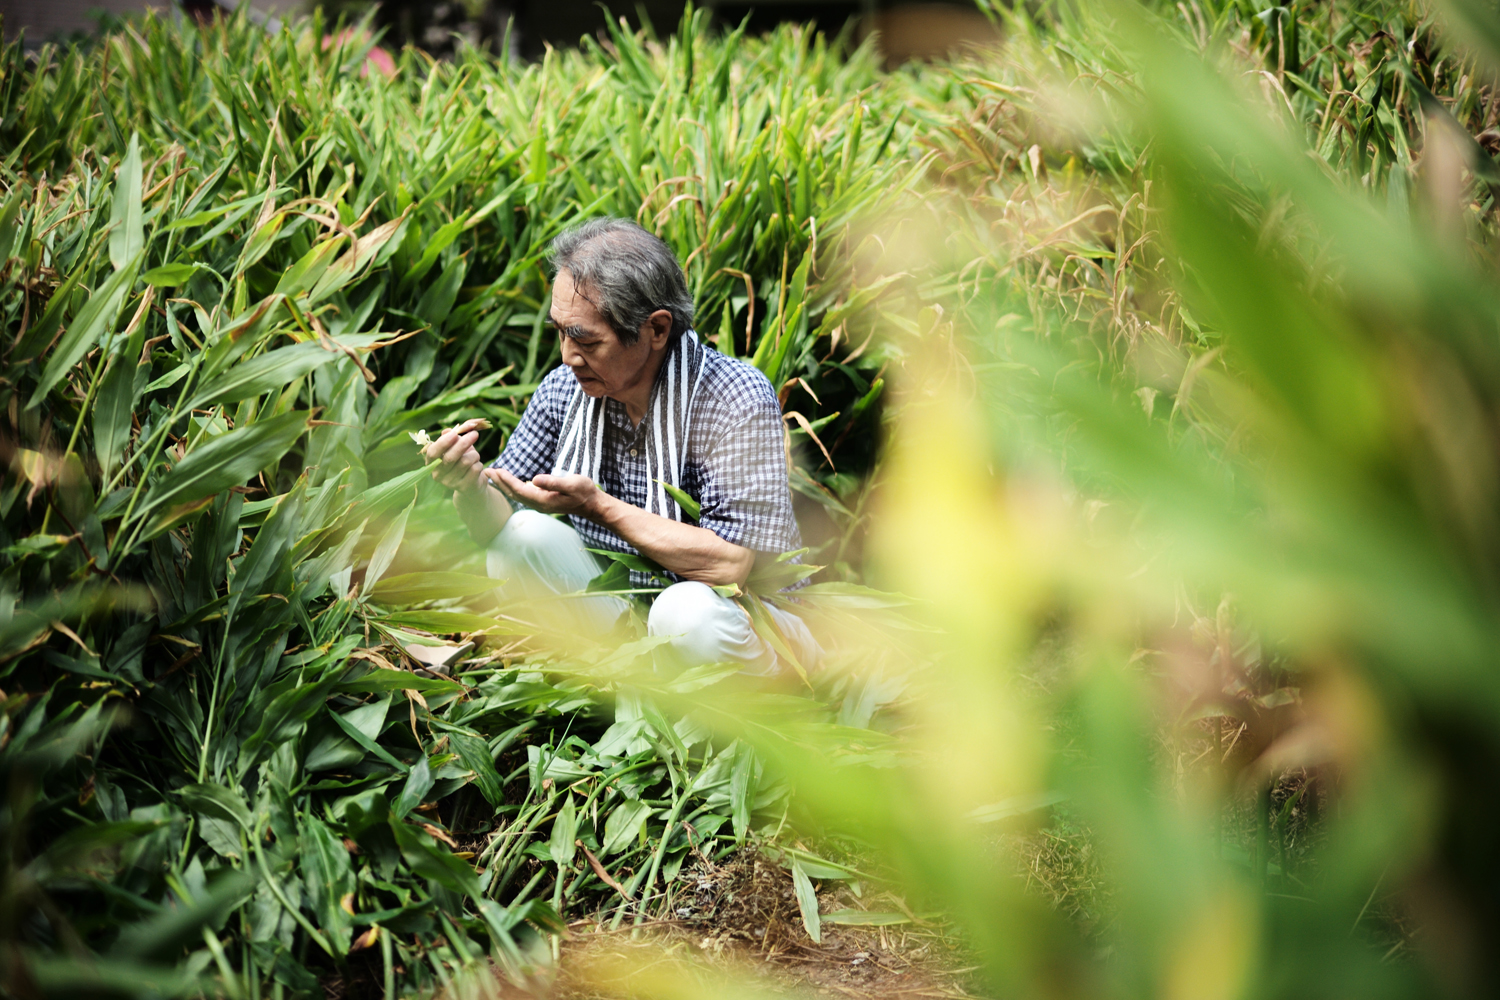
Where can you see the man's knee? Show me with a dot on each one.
(705, 627)
(539, 555)
(695, 618)
(529, 531)
(683, 609)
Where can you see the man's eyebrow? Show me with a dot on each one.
(572, 332)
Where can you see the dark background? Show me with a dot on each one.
(904, 30)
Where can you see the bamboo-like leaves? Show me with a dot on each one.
(273, 370)
(97, 316)
(418, 784)
(624, 826)
(386, 548)
(272, 542)
(227, 460)
(427, 858)
(564, 829)
(127, 234)
(807, 902)
(329, 879)
(414, 588)
(123, 382)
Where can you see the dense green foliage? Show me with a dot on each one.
(217, 526)
(1192, 471)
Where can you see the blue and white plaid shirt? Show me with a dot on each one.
(735, 465)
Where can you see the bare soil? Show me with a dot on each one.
(738, 923)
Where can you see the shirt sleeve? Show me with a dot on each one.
(746, 499)
(532, 447)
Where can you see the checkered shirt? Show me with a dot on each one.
(735, 465)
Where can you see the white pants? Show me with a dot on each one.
(541, 558)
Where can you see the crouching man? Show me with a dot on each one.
(639, 401)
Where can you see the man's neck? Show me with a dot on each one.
(638, 397)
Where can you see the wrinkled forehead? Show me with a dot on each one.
(572, 304)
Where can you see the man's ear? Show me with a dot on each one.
(658, 328)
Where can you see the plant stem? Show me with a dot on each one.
(657, 855)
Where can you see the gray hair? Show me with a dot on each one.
(626, 272)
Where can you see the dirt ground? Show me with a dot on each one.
(738, 930)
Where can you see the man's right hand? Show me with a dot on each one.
(461, 464)
(484, 510)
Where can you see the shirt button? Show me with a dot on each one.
(632, 453)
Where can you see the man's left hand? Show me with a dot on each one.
(565, 494)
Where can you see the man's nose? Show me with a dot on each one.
(571, 355)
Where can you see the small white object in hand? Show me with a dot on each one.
(423, 439)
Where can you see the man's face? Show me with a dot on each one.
(590, 347)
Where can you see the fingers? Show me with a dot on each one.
(496, 479)
(456, 476)
(508, 483)
(445, 441)
(567, 483)
(455, 450)
(458, 445)
(523, 492)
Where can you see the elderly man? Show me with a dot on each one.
(637, 403)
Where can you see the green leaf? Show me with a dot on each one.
(380, 680)
(284, 718)
(170, 275)
(439, 242)
(97, 315)
(1016, 805)
(171, 378)
(624, 826)
(119, 391)
(536, 170)
(475, 755)
(349, 266)
(166, 932)
(376, 500)
(225, 461)
(807, 902)
(817, 867)
(437, 301)
(38, 544)
(19, 195)
(631, 560)
(742, 790)
(40, 334)
(616, 576)
(414, 588)
(329, 878)
(443, 622)
(62, 975)
(864, 918)
(386, 548)
(260, 241)
(127, 233)
(690, 507)
(423, 855)
(305, 273)
(271, 371)
(561, 847)
(272, 541)
(355, 726)
(217, 801)
(418, 784)
(78, 846)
